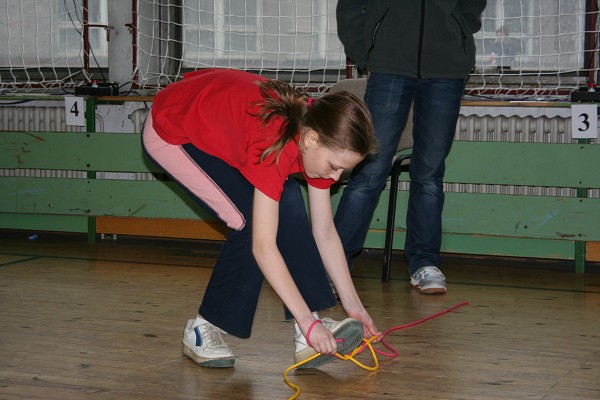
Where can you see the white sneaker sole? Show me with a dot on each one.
(350, 330)
(433, 289)
(224, 362)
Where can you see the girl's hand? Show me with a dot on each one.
(321, 339)
(368, 324)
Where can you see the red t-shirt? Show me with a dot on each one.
(212, 110)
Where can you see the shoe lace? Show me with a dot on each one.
(212, 337)
(431, 272)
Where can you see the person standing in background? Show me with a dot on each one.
(419, 54)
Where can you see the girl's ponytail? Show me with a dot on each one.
(284, 101)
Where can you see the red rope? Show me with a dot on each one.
(394, 352)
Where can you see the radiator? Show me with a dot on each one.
(502, 128)
(35, 119)
(513, 129)
(478, 128)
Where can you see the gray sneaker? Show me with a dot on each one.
(350, 330)
(202, 342)
(429, 280)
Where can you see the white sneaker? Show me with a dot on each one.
(350, 330)
(202, 342)
(429, 280)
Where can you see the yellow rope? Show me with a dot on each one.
(367, 343)
(350, 356)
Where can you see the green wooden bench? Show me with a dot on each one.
(474, 223)
(558, 226)
(30, 202)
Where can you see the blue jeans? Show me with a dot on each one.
(435, 109)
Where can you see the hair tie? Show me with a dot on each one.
(310, 101)
(316, 321)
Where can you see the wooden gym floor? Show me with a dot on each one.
(105, 321)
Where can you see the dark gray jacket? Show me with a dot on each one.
(415, 38)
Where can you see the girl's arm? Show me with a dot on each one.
(332, 253)
(265, 221)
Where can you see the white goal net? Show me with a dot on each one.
(291, 40)
(526, 48)
(536, 48)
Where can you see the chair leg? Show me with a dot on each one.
(391, 219)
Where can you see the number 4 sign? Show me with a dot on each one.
(584, 121)
(75, 110)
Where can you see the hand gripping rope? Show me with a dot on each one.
(366, 344)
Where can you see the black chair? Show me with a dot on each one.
(399, 164)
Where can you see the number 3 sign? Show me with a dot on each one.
(584, 121)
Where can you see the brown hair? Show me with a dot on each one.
(341, 119)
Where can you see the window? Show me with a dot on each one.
(48, 33)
